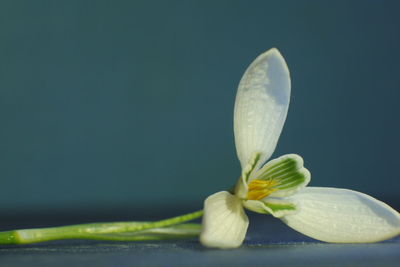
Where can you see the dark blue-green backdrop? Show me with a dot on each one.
(108, 104)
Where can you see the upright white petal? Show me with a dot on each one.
(261, 106)
(224, 221)
(343, 216)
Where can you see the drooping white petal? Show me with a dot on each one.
(343, 216)
(224, 221)
(261, 106)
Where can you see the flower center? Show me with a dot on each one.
(258, 189)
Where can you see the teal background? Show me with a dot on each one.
(129, 104)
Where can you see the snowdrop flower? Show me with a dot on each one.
(278, 187)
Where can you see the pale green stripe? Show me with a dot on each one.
(292, 185)
(255, 160)
(281, 165)
(280, 207)
(283, 176)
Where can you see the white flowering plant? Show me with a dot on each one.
(277, 187)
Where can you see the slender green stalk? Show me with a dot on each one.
(186, 230)
(106, 231)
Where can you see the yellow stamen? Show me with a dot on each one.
(258, 189)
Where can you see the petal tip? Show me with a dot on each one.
(343, 216)
(273, 51)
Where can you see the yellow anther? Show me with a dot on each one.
(258, 189)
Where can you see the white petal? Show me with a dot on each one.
(261, 106)
(343, 216)
(224, 221)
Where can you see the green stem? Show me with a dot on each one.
(99, 231)
(186, 230)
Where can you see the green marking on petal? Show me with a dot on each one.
(282, 177)
(278, 167)
(241, 186)
(276, 208)
(251, 166)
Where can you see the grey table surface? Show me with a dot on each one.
(268, 243)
